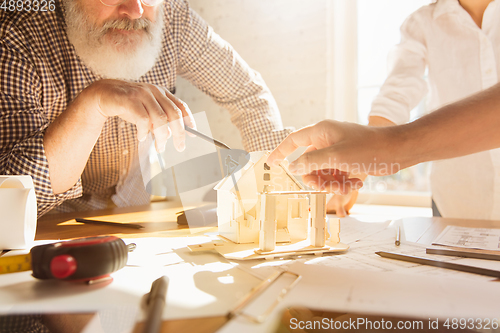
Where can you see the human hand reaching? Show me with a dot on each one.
(336, 150)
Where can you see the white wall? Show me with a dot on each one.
(288, 42)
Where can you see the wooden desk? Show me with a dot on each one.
(156, 217)
(161, 217)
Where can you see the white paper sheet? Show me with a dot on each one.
(380, 293)
(204, 284)
(361, 255)
(201, 284)
(352, 230)
(475, 238)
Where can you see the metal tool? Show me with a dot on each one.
(257, 290)
(206, 138)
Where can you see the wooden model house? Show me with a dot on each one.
(265, 205)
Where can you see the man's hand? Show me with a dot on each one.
(340, 204)
(75, 131)
(332, 180)
(149, 107)
(336, 149)
(445, 133)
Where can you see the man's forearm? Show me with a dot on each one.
(465, 127)
(69, 141)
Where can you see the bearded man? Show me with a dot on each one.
(82, 82)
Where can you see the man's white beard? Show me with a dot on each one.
(110, 54)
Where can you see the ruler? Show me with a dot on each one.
(12, 264)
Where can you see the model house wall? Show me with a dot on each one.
(238, 197)
(266, 205)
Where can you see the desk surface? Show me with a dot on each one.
(159, 218)
(162, 217)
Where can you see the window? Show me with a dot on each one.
(378, 31)
(378, 25)
(361, 36)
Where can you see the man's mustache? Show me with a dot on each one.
(125, 24)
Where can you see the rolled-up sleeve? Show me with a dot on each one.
(23, 123)
(405, 86)
(214, 67)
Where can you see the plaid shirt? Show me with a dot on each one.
(22, 324)
(40, 74)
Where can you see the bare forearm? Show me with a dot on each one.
(374, 121)
(465, 127)
(69, 141)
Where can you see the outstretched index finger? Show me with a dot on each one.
(300, 138)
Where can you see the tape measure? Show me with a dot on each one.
(81, 259)
(15, 264)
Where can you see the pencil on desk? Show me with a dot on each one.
(115, 224)
(442, 264)
(467, 253)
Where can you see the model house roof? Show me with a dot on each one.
(254, 158)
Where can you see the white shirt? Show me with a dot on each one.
(461, 59)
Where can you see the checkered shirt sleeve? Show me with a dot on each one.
(23, 120)
(212, 65)
(22, 324)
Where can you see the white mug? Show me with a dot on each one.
(17, 212)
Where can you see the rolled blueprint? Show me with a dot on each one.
(17, 212)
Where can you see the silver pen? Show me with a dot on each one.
(398, 237)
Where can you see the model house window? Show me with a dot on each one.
(267, 176)
(296, 211)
